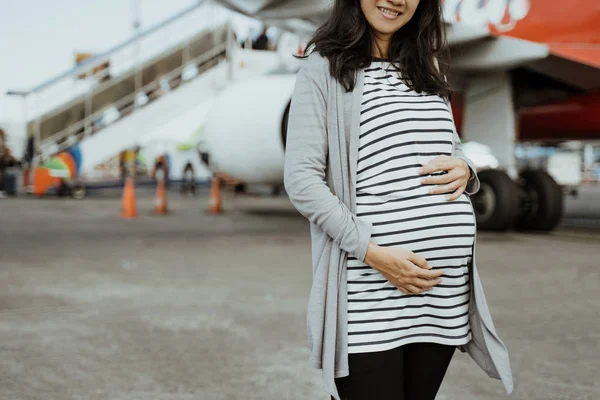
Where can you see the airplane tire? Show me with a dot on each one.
(543, 203)
(79, 191)
(496, 204)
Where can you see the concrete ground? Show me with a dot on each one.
(583, 210)
(193, 306)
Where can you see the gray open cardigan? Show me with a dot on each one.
(320, 178)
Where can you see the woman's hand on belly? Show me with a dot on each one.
(454, 182)
(410, 273)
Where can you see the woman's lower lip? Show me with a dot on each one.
(388, 16)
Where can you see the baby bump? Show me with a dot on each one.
(429, 225)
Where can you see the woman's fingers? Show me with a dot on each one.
(428, 273)
(401, 286)
(453, 183)
(412, 289)
(451, 187)
(419, 261)
(439, 163)
(414, 285)
(403, 290)
(426, 284)
(407, 271)
(457, 193)
(440, 179)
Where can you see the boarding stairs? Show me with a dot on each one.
(107, 103)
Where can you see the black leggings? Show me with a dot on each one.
(411, 372)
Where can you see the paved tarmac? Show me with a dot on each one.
(193, 306)
(583, 210)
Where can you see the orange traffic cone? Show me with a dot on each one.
(161, 198)
(129, 210)
(216, 205)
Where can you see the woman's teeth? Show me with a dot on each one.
(389, 12)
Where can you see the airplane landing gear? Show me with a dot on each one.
(541, 205)
(496, 203)
(535, 202)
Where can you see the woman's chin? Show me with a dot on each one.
(388, 27)
(386, 31)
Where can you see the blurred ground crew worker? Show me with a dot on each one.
(2, 165)
(6, 160)
(262, 42)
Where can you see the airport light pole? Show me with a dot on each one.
(230, 49)
(23, 95)
(36, 134)
(136, 25)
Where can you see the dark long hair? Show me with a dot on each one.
(347, 41)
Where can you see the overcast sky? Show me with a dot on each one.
(38, 38)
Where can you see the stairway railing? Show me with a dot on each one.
(124, 106)
(107, 87)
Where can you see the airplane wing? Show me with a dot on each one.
(299, 17)
(584, 54)
(496, 34)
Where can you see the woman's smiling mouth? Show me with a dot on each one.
(388, 13)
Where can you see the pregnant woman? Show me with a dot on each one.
(374, 162)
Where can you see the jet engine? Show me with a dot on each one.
(246, 127)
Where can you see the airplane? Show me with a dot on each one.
(522, 69)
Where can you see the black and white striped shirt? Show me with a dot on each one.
(401, 130)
